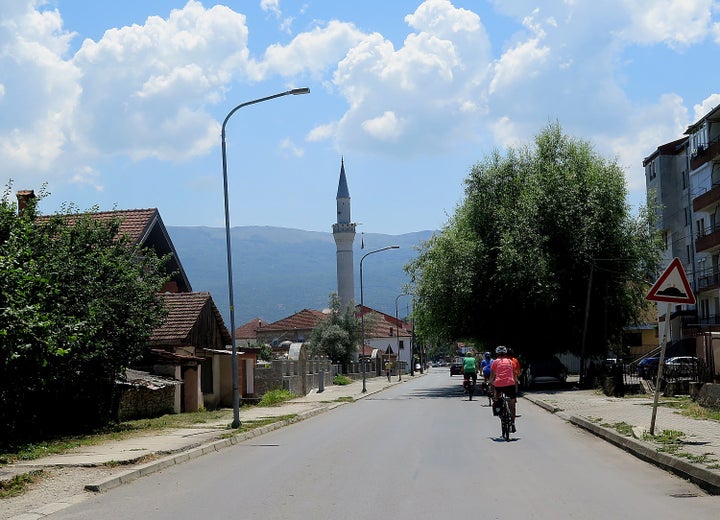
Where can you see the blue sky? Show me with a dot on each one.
(119, 104)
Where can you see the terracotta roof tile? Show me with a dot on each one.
(305, 319)
(249, 330)
(184, 309)
(135, 223)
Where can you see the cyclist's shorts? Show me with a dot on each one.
(507, 390)
(468, 375)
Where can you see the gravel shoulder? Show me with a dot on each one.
(57, 485)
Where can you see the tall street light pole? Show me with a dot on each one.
(236, 394)
(362, 310)
(397, 331)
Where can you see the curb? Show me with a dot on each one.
(705, 479)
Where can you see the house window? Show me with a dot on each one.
(401, 345)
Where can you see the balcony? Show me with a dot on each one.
(704, 154)
(709, 239)
(707, 199)
(708, 279)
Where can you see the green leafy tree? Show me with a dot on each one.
(77, 306)
(512, 266)
(338, 335)
(266, 352)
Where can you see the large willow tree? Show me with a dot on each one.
(513, 265)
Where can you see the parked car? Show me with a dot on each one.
(681, 366)
(546, 370)
(456, 367)
(647, 367)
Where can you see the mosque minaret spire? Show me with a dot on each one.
(344, 235)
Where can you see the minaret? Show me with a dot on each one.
(344, 235)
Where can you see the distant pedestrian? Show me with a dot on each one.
(388, 369)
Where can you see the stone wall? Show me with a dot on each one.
(302, 376)
(289, 375)
(137, 402)
(709, 396)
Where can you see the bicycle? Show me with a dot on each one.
(487, 389)
(502, 407)
(469, 386)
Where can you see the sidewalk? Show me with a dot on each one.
(174, 446)
(696, 457)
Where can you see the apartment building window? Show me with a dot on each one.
(665, 236)
(700, 225)
(687, 216)
(704, 309)
(650, 170)
(401, 345)
(684, 180)
(687, 252)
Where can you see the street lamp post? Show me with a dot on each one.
(236, 394)
(362, 311)
(397, 336)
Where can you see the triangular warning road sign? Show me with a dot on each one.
(672, 286)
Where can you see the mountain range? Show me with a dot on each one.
(280, 271)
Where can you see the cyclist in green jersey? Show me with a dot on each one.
(470, 367)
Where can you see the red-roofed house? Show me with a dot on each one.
(247, 334)
(389, 336)
(295, 328)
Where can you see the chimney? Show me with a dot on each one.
(23, 197)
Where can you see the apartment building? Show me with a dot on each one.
(683, 178)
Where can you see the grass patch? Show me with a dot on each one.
(622, 428)
(123, 430)
(705, 458)
(345, 399)
(19, 483)
(276, 397)
(341, 380)
(222, 419)
(670, 441)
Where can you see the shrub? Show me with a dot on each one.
(340, 379)
(275, 397)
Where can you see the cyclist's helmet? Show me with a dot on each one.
(501, 350)
(488, 355)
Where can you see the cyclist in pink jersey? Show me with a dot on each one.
(504, 378)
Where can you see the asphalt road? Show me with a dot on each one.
(419, 450)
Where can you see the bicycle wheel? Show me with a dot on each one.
(506, 420)
(471, 389)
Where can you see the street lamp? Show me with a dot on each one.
(362, 312)
(236, 394)
(397, 336)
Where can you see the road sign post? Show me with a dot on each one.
(671, 287)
